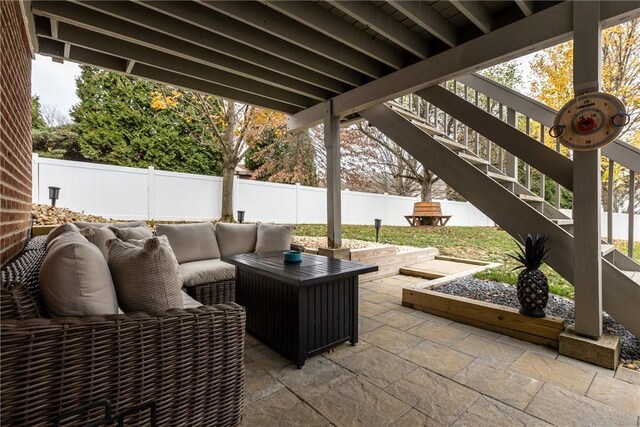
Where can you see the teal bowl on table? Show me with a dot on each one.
(292, 256)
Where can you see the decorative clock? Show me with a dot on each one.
(589, 121)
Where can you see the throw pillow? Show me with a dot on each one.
(191, 242)
(56, 232)
(274, 237)
(145, 274)
(132, 233)
(75, 279)
(236, 239)
(99, 236)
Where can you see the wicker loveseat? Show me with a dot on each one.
(186, 365)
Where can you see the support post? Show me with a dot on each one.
(332, 145)
(587, 188)
(512, 161)
(631, 211)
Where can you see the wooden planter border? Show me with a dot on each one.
(505, 320)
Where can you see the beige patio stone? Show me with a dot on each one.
(391, 339)
(484, 348)
(378, 366)
(415, 418)
(628, 375)
(369, 309)
(529, 346)
(616, 393)
(359, 403)
(282, 408)
(377, 297)
(398, 319)
(268, 358)
(437, 358)
(366, 324)
(554, 371)
(489, 412)
(258, 383)
(438, 333)
(477, 331)
(587, 366)
(346, 350)
(566, 408)
(250, 341)
(318, 375)
(438, 397)
(499, 383)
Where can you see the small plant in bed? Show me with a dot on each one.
(532, 285)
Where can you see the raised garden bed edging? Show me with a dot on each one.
(505, 320)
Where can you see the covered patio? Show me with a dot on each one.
(396, 64)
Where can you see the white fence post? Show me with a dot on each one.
(151, 192)
(345, 207)
(385, 212)
(235, 197)
(297, 203)
(35, 178)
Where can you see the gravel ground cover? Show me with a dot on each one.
(504, 294)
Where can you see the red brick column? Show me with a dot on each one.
(15, 131)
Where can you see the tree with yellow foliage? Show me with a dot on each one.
(230, 125)
(553, 85)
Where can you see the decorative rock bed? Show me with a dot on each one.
(504, 294)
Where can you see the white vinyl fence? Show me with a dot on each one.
(132, 193)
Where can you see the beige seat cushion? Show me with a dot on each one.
(59, 230)
(206, 271)
(132, 233)
(99, 236)
(83, 224)
(274, 237)
(236, 239)
(191, 242)
(75, 279)
(145, 274)
(189, 302)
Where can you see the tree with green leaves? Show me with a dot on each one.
(116, 125)
(37, 121)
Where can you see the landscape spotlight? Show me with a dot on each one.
(378, 224)
(240, 216)
(54, 193)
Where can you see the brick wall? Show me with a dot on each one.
(15, 131)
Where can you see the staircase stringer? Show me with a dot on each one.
(547, 161)
(620, 294)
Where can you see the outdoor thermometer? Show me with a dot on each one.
(589, 121)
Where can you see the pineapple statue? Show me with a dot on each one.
(532, 286)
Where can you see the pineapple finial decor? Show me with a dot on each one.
(532, 286)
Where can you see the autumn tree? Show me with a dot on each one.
(553, 85)
(279, 156)
(225, 124)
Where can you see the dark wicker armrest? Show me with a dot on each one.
(221, 292)
(190, 362)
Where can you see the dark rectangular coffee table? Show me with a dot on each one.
(299, 309)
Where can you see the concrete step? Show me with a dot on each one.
(561, 222)
(633, 275)
(530, 198)
(606, 248)
(449, 143)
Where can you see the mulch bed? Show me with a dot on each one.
(505, 294)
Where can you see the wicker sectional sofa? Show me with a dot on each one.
(181, 367)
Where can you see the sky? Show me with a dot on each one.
(55, 83)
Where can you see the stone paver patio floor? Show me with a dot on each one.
(414, 369)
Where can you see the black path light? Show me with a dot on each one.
(240, 216)
(54, 193)
(377, 224)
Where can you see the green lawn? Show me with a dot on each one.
(480, 243)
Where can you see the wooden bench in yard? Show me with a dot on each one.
(427, 213)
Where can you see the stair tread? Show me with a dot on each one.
(530, 198)
(562, 221)
(606, 248)
(474, 160)
(633, 275)
(500, 177)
